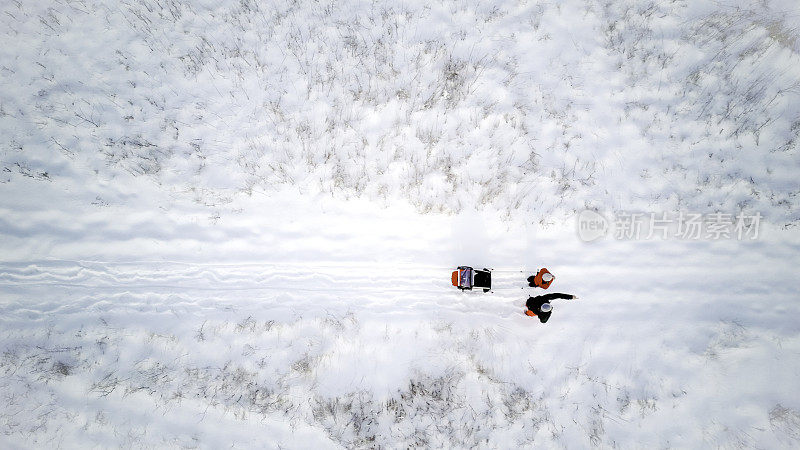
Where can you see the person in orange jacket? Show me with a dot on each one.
(542, 279)
(540, 306)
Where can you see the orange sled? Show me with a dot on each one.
(466, 278)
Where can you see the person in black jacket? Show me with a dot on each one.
(540, 307)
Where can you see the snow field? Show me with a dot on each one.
(231, 224)
(533, 108)
(381, 352)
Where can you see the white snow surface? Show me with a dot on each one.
(232, 224)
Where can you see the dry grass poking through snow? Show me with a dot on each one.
(535, 107)
(454, 389)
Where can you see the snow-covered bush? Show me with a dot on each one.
(534, 107)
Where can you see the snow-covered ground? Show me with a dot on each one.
(232, 224)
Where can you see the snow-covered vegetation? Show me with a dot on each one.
(231, 223)
(534, 107)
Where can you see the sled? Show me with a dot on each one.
(466, 278)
